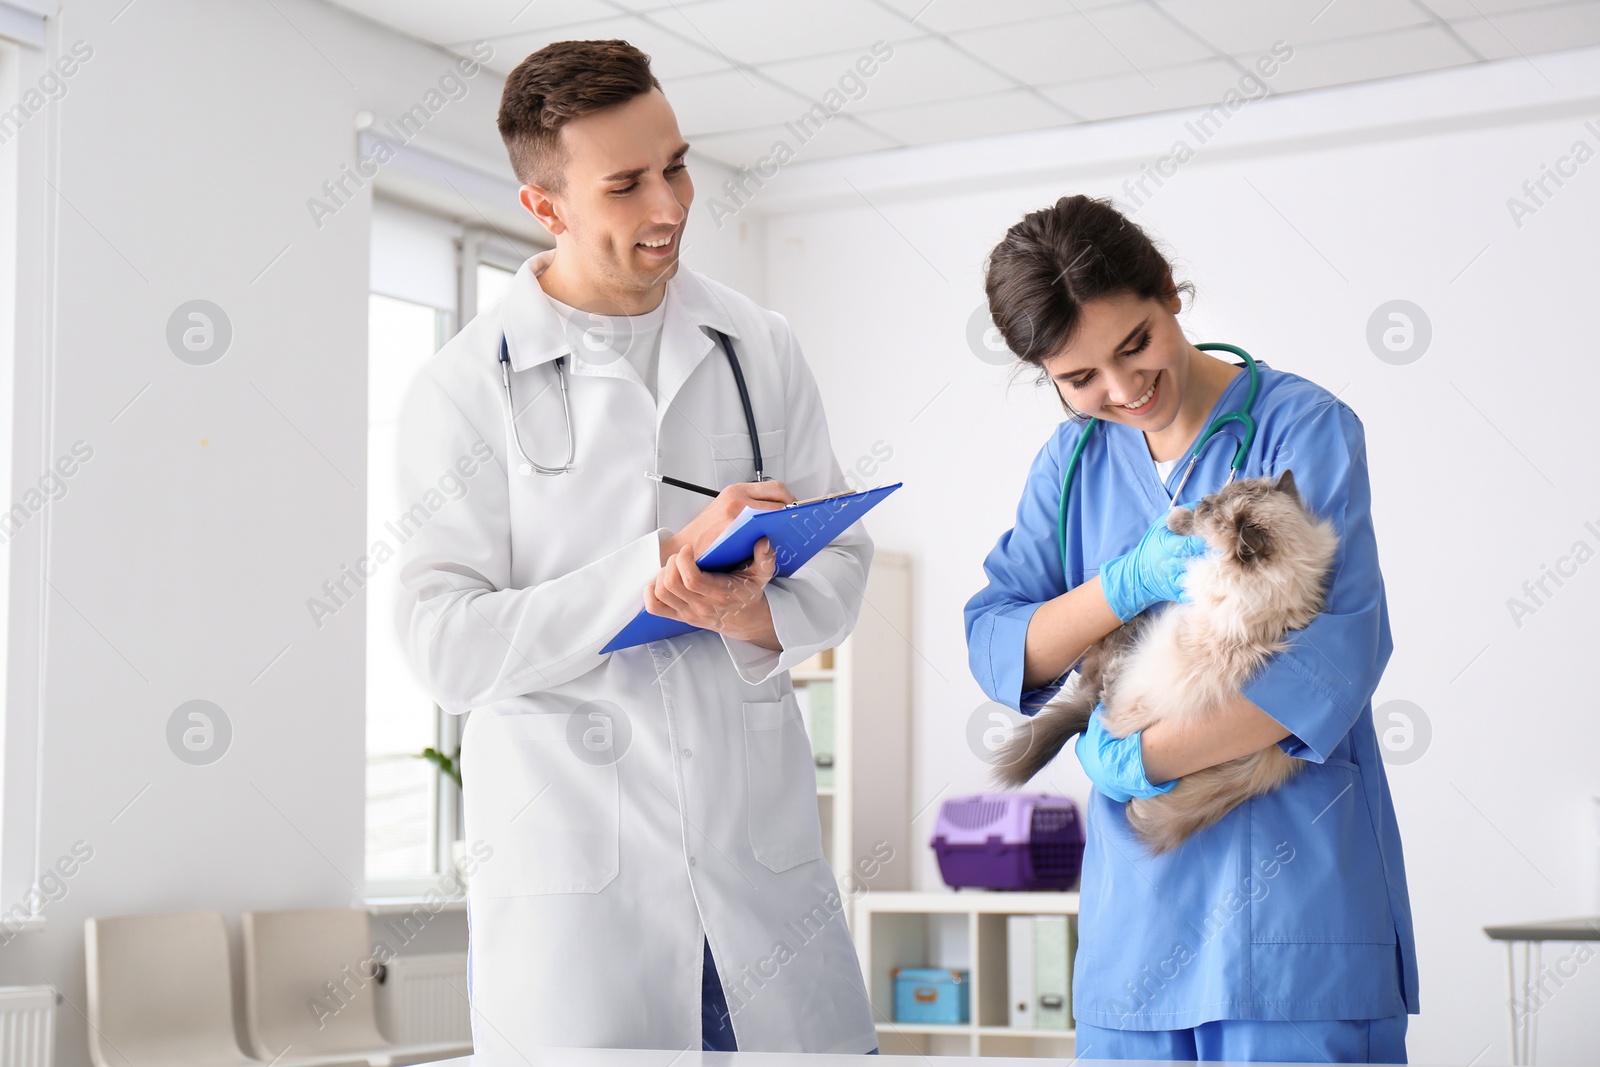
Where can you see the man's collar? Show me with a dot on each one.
(537, 333)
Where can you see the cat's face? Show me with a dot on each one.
(1246, 519)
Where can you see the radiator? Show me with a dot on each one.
(423, 999)
(27, 1025)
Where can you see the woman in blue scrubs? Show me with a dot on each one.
(1283, 932)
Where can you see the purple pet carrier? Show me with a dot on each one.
(1009, 841)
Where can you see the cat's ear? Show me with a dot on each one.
(1251, 542)
(1181, 521)
(1286, 485)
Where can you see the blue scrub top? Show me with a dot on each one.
(1294, 905)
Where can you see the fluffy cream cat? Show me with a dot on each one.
(1266, 575)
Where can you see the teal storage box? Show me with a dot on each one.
(930, 995)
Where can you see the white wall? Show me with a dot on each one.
(1295, 224)
(218, 498)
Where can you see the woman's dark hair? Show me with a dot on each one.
(560, 82)
(1061, 257)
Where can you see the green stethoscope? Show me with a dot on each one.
(1241, 417)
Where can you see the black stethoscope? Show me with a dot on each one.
(529, 467)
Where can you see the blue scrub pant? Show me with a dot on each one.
(716, 1032)
(1247, 1040)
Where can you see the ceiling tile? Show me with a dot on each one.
(1467, 9)
(1547, 29)
(731, 100)
(1360, 59)
(1188, 86)
(652, 6)
(1251, 26)
(789, 29)
(975, 116)
(914, 73)
(744, 148)
(1065, 48)
(741, 148)
(845, 137)
(433, 21)
(670, 55)
(1147, 37)
(949, 16)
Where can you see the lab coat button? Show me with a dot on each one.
(691, 861)
(687, 753)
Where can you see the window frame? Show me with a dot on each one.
(31, 167)
(474, 245)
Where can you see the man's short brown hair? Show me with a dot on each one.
(561, 82)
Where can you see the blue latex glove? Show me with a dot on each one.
(1115, 764)
(1150, 573)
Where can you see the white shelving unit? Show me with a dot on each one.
(965, 929)
(868, 805)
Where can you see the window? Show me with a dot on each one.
(403, 839)
(494, 263)
(32, 84)
(425, 272)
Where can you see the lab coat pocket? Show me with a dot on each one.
(734, 462)
(542, 792)
(782, 779)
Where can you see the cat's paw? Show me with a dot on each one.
(1181, 521)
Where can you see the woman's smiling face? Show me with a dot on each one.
(1124, 348)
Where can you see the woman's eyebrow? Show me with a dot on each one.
(1119, 347)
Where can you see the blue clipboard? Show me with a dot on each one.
(797, 533)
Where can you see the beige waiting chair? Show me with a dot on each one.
(161, 993)
(309, 987)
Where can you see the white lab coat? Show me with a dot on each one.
(586, 920)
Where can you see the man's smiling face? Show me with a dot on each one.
(624, 201)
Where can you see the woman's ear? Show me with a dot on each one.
(1181, 521)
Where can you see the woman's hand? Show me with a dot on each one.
(1151, 573)
(1115, 764)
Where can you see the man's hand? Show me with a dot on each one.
(733, 604)
(707, 526)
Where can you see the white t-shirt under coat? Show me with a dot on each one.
(636, 338)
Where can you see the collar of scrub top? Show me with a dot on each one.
(535, 332)
(1130, 445)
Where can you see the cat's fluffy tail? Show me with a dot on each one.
(1039, 741)
(1026, 754)
(1200, 799)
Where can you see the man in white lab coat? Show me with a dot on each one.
(649, 816)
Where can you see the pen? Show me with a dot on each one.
(820, 499)
(681, 484)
